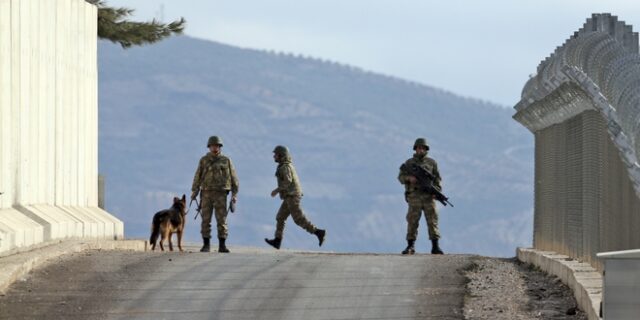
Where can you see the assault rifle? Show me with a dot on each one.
(232, 206)
(425, 182)
(198, 209)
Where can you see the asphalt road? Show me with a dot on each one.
(246, 284)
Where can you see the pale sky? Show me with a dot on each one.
(481, 49)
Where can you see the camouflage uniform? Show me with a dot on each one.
(215, 177)
(420, 201)
(290, 193)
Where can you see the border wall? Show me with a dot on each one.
(583, 107)
(49, 124)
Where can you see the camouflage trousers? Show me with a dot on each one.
(214, 200)
(417, 204)
(291, 207)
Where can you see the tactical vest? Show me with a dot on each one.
(216, 174)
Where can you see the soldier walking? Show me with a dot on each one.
(420, 200)
(290, 192)
(214, 178)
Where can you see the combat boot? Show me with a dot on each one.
(205, 246)
(435, 248)
(275, 242)
(320, 233)
(221, 246)
(410, 249)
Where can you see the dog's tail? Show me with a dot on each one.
(155, 231)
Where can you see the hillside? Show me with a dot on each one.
(349, 130)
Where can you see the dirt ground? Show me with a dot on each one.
(508, 289)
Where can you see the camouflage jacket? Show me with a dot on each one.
(288, 182)
(215, 172)
(425, 162)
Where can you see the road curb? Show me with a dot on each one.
(16, 266)
(584, 280)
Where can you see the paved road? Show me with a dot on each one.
(246, 284)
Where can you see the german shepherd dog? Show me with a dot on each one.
(169, 221)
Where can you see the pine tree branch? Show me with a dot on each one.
(113, 26)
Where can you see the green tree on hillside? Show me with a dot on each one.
(113, 26)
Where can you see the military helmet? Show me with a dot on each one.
(420, 142)
(281, 150)
(213, 140)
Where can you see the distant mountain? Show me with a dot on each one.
(348, 129)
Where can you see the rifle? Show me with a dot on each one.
(198, 209)
(425, 182)
(232, 206)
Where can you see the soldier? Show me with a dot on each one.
(214, 178)
(419, 200)
(290, 192)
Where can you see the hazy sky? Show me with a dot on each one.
(482, 49)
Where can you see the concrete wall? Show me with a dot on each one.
(583, 106)
(49, 124)
(584, 200)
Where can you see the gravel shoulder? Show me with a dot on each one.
(508, 289)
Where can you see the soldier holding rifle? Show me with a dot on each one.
(422, 182)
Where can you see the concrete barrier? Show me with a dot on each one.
(583, 279)
(26, 227)
(49, 125)
(18, 231)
